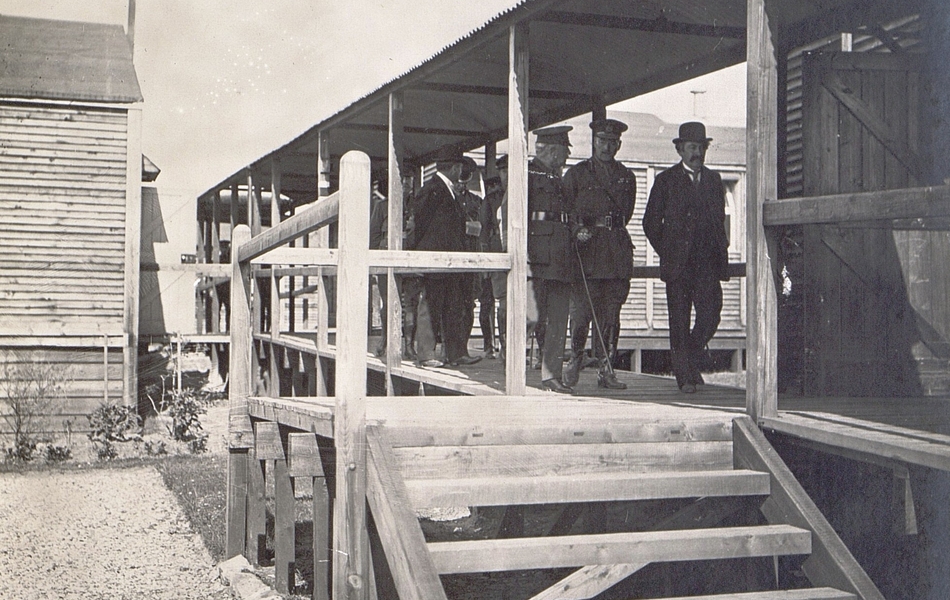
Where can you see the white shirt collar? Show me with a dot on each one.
(448, 183)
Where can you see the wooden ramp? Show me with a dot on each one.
(586, 494)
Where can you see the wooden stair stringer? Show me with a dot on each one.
(831, 564)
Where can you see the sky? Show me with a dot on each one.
(227, 81)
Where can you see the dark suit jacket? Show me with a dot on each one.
(678, 213)
(439, 220)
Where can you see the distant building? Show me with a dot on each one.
(70, 204)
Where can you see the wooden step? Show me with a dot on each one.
(435, 462)
(514, 554)
(823, 593)
(596, 487)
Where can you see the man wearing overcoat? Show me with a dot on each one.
(440, 225)
(603, 192)
(685, 223)
(551, 261)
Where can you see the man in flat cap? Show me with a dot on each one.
(551, 262)
(440, 226)
(685, 223)
(602, 192)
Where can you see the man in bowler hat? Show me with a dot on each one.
(440, 225)
(685, 223)
(551, 261)
(603, 193)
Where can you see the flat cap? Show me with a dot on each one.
(554, 135)
(693, 131)
(608, 128)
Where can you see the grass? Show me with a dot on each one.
(200, 484)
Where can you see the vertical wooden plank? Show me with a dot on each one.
(256, 541)
(253, 204)
(393, 306)
(518, 85)
(322, 241)
(761, 141)
(284, 534)
(350, 556)
(304, 455)
(133, 247)
(105, 369)
(214, 312)
(240, 434)
(274, 280)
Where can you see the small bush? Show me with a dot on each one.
(58, 453)
(155, 448)
(28, 392)
(185, 409)
(113, 423)
(23, 450)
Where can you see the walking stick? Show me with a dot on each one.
(593, 312)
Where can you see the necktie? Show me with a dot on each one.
(695, 177)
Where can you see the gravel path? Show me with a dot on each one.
(99, 533)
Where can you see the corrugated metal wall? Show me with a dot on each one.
(62, 214)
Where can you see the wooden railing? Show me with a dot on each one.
(254, 446)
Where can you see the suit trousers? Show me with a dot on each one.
(553, 300)
(702, 293)
(449, 298)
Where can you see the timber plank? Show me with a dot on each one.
(502, 491)
(824, 593)
(542, 459)
(409, 561)
(613, 548)
(831, 563)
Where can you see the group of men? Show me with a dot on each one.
(580, 256)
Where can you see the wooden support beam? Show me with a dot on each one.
(913, 203)
(350, 554)
(407, 556)
(518, 55)
(256, 542)
(392, 305)
(304, 455)
(132, 252)
(485, 90)
(316, 216)
(236, 510)
(831, 563)
(284, 529)
(762, 184)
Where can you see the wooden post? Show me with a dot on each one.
(256, 541)
(105, 369)
(133, 248)
(274, 280)
(517, 206)
(304, 456)
(240, 434)
(323, 241)
(350, 555)
(284, 534)
(393, 308)
(761, 145)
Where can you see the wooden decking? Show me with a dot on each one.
(911, 430)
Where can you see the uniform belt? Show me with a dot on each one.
(608, 221)
(540, 215)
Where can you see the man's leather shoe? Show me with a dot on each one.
(464, 361)
(688, 388)
(553, 385)
(609, 381)
(590, 361)
(432, 362)
(572, 371)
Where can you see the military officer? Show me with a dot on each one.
(602, 192)
(551, 260)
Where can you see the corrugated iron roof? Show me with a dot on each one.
(66, 60)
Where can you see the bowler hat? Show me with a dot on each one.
(554, 135)
(608, 128)
(693, 131)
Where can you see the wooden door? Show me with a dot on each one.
(875, 293)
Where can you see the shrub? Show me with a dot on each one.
(58, 453)
(28, 390)
(155, 448)
(185, 409)
(113, 423)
